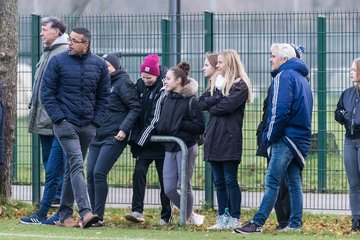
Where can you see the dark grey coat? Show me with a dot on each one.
(223, 135)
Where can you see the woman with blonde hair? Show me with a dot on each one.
(225, 100)
(210, 62)
(346, 115)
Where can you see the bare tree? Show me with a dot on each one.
(8, 63)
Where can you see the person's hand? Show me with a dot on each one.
(120, 136)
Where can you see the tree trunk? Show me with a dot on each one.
(8, 74)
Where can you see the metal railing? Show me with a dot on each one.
(184, 172)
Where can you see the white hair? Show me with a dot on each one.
(284, 50)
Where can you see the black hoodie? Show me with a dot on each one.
(123, 108)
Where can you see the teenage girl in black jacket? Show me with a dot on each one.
(111, 138)
(176, 119)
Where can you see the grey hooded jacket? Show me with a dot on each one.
(39, 120)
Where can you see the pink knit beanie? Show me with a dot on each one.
(151, 65)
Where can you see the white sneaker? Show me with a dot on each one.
(219, 223)
(233, 223)
(197, 219)
(290, 229)
(135, 217)
(162, 222)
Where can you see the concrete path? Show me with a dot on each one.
(121, 198)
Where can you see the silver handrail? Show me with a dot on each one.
(184, 172)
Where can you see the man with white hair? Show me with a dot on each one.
(55, 41)
(287, 135)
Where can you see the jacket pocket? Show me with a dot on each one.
(44, 121)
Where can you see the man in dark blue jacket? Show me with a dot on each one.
(282, 205)
(75, 94)
(287, 135)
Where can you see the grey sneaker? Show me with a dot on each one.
(233, 223)
(135, 217)
(249, 228)
(163, 222)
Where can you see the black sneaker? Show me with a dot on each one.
(55, 203)
(355, 225)
(249, 228)
(100, 223)
(281, 227)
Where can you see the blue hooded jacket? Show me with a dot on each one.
(290, 109)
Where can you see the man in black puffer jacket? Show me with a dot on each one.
(75, 93)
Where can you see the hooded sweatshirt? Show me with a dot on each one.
(39, 120)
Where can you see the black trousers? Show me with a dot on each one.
(139, 184)
(282, 204)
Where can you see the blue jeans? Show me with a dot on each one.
(74, 141)
(46, 148)
(282, 166)
(53, 175)
(102, 156)
(352, 167)
(228, 191)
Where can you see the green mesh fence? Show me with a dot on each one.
(251, 34)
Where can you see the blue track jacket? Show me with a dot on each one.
(290, 109)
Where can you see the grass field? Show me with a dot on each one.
(315, 226)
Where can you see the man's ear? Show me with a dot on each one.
(58, 32)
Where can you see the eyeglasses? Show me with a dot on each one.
(74, 41)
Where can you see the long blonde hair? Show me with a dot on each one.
(234, 72)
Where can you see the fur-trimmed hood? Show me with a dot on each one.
(188, 90)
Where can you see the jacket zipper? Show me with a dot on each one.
(353, 116)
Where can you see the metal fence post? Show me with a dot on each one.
(35, 56)
(322, 133)
(165, 42)
(209, 47)
(184, 172)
